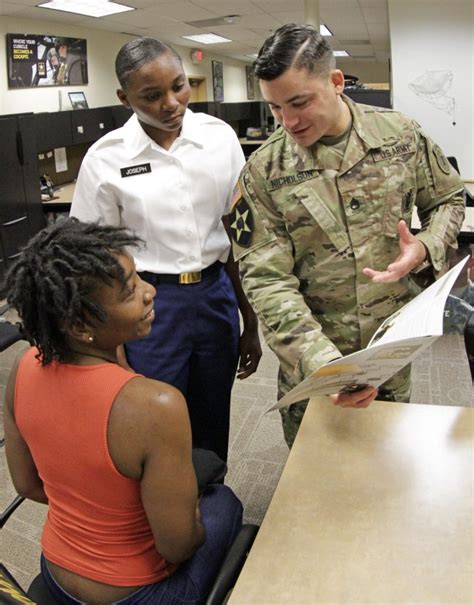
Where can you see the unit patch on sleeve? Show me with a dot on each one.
(441, 159)
(242, 224)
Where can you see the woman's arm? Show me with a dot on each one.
(249, 345)
(149, 438)
(20, 462)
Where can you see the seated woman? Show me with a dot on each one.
(108, 450)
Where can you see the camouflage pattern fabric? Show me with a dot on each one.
(302, 233)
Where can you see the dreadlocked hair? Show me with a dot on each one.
(51, 282)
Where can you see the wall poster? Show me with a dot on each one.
(249, 77)
(218, 80)
(40, 60)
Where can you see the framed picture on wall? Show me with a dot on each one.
(218, 80)
(44, 60)
(249, 77)
(78, 100)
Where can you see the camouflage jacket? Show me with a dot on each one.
(303, 235)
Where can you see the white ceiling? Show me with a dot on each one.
(359, 26)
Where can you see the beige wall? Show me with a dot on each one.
(433, 40)
(102, 48)
(367, 71)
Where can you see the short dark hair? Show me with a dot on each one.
(139, 52)
(291, 45)
(51, 282)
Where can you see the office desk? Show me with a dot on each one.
(250, 145)
(467, 228)
(373, 506)
(62, 199)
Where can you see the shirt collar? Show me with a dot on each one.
(363, 123)
(136, 139)
(191, 130)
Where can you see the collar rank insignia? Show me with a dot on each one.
(242, 224)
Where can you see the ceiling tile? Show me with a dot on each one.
(279, 6)
(347, 19)
(229, 7)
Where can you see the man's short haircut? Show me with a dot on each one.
(139, 52)
(299, 46)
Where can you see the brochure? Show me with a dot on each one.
(397, 341)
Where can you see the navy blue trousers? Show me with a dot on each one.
(193, 345)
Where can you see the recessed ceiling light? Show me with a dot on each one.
(324, 31)
(340, 53)
(207, 39)
(90, 8)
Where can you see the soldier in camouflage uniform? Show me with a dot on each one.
(323, 253)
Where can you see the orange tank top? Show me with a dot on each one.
(96, 525)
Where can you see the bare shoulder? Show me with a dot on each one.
(147, 414)
(10, 390)
(145, 394)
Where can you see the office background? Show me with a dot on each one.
(424, 35)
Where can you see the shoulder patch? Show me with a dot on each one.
(242, 223)
(236, 196)
(441, 159)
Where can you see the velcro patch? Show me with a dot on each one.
(236, 196)
(135, 170)
(387, 153)
(441, 159)
(291, 179)
(242, 224)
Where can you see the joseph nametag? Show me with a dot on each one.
(134, 170)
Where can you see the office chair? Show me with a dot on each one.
(9, 334)
(11, 592)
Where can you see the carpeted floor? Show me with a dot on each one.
(257, 452)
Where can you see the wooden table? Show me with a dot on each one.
(373, 506)
(62, 199)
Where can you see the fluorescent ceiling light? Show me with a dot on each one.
(254, 56)
(90, 8)
(340, 53)
(207, 39)
(324, 31)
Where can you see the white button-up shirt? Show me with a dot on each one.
(173, 199)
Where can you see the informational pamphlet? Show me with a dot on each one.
(398, 340)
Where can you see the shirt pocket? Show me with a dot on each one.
(307, 206)
(376, 195)
(400, 195)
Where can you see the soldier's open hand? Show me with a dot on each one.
(412, 254)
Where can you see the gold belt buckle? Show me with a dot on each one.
(193, 277)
